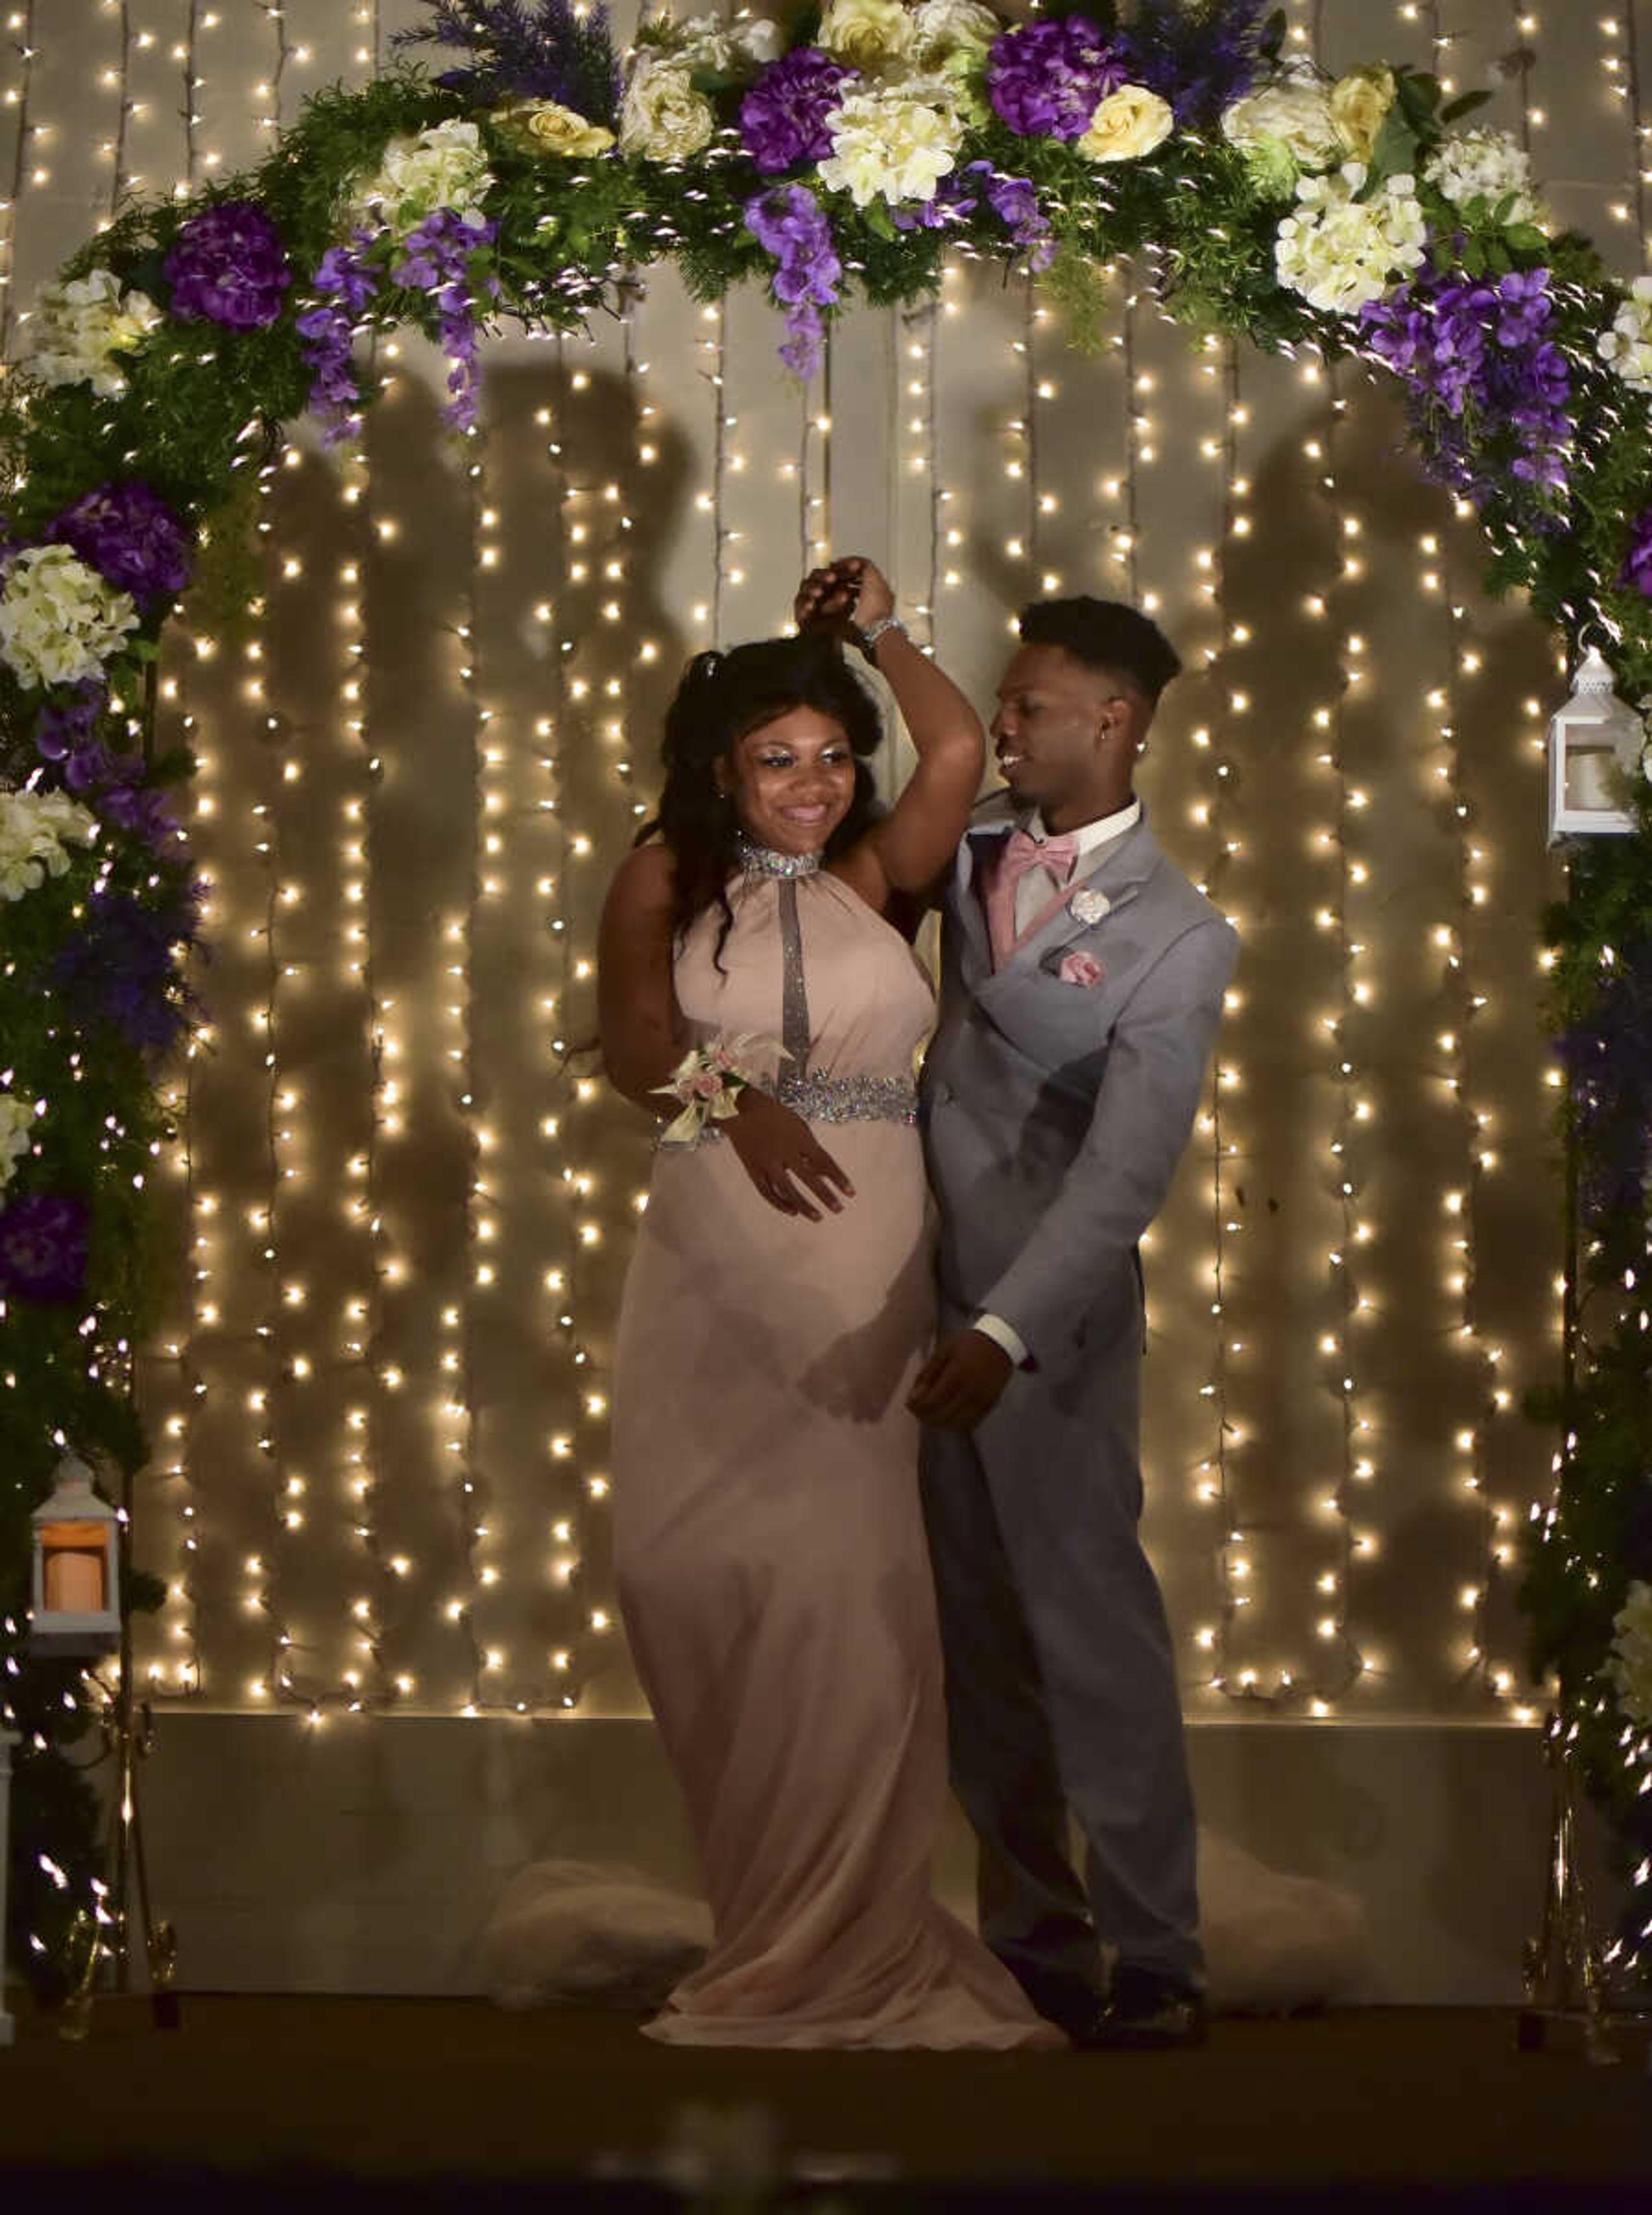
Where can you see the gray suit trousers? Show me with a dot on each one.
(1061, 1681)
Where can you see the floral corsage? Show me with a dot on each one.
(709, 1081)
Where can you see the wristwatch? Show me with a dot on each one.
(872, 632)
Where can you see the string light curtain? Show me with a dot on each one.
(400, 1204)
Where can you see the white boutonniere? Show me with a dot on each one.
(1088, 906)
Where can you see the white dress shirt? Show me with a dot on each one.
(1035, 892)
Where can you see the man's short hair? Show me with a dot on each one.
(1105, 635)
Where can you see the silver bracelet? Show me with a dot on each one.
(872, 632)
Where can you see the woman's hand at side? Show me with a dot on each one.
(783, 1158)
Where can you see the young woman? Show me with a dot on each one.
(770, 1547)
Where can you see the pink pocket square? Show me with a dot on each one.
(1077, 968)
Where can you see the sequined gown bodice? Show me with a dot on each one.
(770, 1551)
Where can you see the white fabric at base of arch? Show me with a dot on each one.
(597, 1933)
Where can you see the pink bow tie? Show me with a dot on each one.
(1022, 852)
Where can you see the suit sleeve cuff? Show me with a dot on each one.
(1000, 1333)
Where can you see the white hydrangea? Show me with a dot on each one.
(1628, 345)
(36, 831)
(1285, 127)
(706, 42)
(441, 166)
(1485, 165)
(60, 620)
(895, 144)
(17, 1121)
(1630, 1665)
(661, 117)
(1338, 252)
(76, 330)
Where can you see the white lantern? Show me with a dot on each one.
(1594, 740)
(77, 1568)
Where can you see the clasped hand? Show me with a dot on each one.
(842, 596)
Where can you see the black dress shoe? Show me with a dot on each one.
(1066, 2000)
(1145, 2012)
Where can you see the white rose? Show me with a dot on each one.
(1340, 253)
(944, 28)
(1129, 123)
(867, 34)
(1628, 345)
(889, 145)
(75, 330)
(60, 620)
(444, 167)
(1284, 127)
(544, 126)
(1485, 165)
(1630, 1665)
(16, 1123)
(661, 116)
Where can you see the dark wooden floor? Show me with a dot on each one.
(432, 2101)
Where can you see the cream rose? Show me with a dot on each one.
(1127, 125)
(16, 1123)
(867, 35)
(1359, 103)
(1284, 127)
(661, 116)
(543, 127)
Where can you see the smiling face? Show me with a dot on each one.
(792, 780)
(1067, 735)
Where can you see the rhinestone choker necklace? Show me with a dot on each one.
(764, 862)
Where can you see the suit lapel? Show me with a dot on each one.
(1124, 867)
(971, 915)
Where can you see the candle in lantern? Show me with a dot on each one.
(1589, 777)
(74, 1580)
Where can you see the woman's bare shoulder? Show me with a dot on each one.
(646, 880)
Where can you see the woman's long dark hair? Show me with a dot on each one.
(722, 696)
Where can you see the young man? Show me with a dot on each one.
(1083, 977)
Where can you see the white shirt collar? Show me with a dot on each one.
(1089, 836)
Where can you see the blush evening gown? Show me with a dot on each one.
(770, 1549)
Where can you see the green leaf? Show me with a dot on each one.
(1464, 104)
(1526, 238)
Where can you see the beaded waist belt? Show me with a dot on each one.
(847, 1099)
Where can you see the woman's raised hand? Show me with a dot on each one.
(843, 595)
(783, 1158)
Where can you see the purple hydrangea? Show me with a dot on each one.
(67, 721)
(1636, 575)
(45, 1242)
(228, 264)
(120, 968)
(436, 259)
(130, 536)
(782, 116)
(347, 280)
(1488, 387)
(1047, 78)
(788, 222)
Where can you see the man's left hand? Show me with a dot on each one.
(961, 1382)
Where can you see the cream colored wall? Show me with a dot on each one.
(1351, 765)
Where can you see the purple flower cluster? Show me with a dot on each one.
(1047, 78)
(788, 222)
(962, 193)
(119, 969)
(1636, 575)
(1476, 357)
(228, 264)
(1199, 59)
(45, 1242)
(347, 280)
(436, 259)
(782, 116)
(112, 785)
(130, 536)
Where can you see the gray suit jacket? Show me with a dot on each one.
(1054, 1113)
